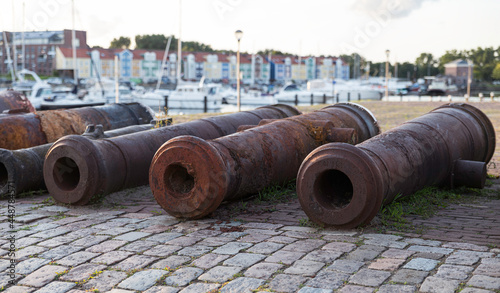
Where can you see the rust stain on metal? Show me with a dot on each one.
(13, 102)
(77, 168)
(190, 176)
(27, 130)
(344, 186)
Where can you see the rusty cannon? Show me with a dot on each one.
(15, 102)
(77, 168)
(22, 170)
(191, 177)
(345, 186)
(28, 130)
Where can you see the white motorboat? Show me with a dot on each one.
(291, 94)
(190, 97)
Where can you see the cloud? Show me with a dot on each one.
(398, 8)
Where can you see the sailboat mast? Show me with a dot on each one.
(179, 44)
(73, 44)
(24, 28)
(9, 61)
(14, 51)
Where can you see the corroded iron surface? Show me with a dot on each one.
(23, 168)
(28, 130)
(344, 186)
(12, 102)
(191, 177)
(77, 168)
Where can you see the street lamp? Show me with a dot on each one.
(387, 52)
(239, 35)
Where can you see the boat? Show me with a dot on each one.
(194, 97)
(250, 98)
(291, 94)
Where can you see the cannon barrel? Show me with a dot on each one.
(77, 168)
(191, 177)
(15, 102)
(28, 130)
(22, 170)
(345, 186)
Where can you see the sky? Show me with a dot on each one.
(313, 27)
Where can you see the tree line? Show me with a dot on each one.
(486, 60)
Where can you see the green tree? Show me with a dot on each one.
(496, 72)
(120, 43)
(426, 65)
(154, 42)
(274, 52)
(448, 57)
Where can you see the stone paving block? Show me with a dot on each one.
(23, 242)
(465, 246)
(453, 272)
(56, 287)
(485, 282)
(464, 257)
(263, 231)
(30, 218)
(132, 236)
(30, 265)
(42, 276)
(51, 233)
(362, 254)
(411, 277)
(82, 272)
(300, 235)
(105, 281)
(421, 264)
(162, 250)
(77, 258)
(386, 243)
(111, 257)
(265, 247)
(171, 262)
(304, 245)
(19, 289)
(286, 283)
(384, 237)
(429, 255)
(56, 241)
(155, 229)
(106, 246)
(29, 251)
(397, 253)
(325, 256)
(475, 290)
(141, 281)
(134, 262)
(340, 246)
(299, 228)
(215, 241)
(254, 238)
(195, 250)
(420, 248)
(397, 289)
(314, 290)
(386, 264)
(489, 267)
(204, 233)
(328, 280)
(419, 241)
(89, 240)
(138, 246)
(183, 241)
(266, 226)
(367, 277)
(346, 266)
(164, 237)
(286, 257)
(439, 285)
(210, 260)
(282, 239)
(244, 260)
(199, 288)
(232, 248)
(305, 268)
(183, 276)
(165, 289)
(355, 289)
(262, 270)
(115, 231)
(60, 252)
(5, 279)
(219, 274)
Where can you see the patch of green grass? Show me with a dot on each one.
(277, 192)
(424, 203)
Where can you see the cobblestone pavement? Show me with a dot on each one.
(127, 243)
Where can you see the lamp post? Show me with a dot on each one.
(387, 52)
(239, 35)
